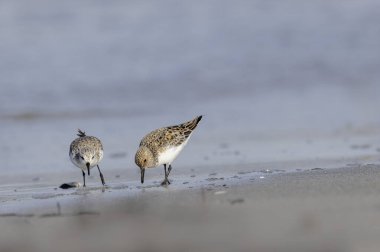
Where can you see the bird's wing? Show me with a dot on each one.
(172, 135)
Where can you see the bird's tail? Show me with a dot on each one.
(191, 125)
(81, 133)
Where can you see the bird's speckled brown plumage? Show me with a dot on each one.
(162, 146)
(87, 143)
(86, 152)
(160, 139)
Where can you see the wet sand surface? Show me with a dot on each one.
(286, 157)
(314, 210)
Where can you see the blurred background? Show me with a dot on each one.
(118, 69)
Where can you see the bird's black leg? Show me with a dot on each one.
(169, 169)
(166, 174)
(166, 181)
(84, 179)
(101, 176)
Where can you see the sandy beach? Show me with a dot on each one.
(286, 157)
(315, 210)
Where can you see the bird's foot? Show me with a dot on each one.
(165, 182)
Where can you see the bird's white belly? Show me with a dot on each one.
(82, 164)
(168, 156)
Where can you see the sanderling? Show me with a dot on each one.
(162, 146)
(86, 152)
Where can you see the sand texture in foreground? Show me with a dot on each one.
(315, 210)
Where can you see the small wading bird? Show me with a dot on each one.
(162, 146)
(86, 152)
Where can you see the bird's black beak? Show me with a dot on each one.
(142, 175)
(88, 168)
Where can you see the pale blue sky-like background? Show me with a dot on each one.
(121, 68)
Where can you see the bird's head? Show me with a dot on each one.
(88, 158)
(144, 159)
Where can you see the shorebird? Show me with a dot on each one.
(162, 146)
(86, 152)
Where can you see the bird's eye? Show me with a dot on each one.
(93, 157)
(144, 160)
(82, 157)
